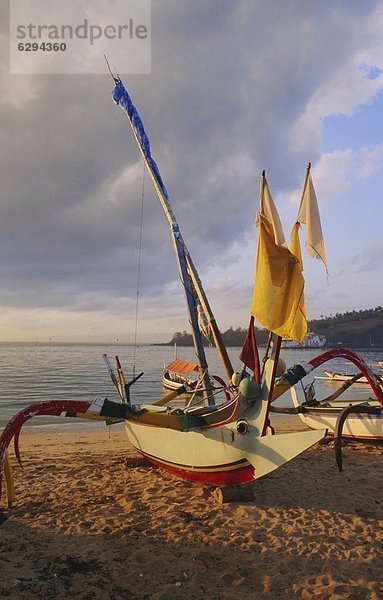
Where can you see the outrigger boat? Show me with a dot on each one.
(361, 419)
(213, 444)
(325, 413)
(177, 374)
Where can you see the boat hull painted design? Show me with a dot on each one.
(226, 474)
(198, 417)
(220, 455)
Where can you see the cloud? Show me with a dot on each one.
(350, 84)
(235, 88)
(372, 161)
(370, 258)
(336, 172)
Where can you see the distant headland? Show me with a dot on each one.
(352, 329)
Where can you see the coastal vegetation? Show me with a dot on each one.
(353, 329)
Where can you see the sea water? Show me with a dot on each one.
(34, 372)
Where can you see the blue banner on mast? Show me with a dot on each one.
(122, 98)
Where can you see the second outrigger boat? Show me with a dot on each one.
(359, 425)
(214, 444)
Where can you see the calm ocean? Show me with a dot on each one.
(34, 372)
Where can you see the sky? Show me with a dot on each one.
(235, 88)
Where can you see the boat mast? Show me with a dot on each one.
(210, 317)
(187, 270)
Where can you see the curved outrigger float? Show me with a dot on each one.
(218, 445)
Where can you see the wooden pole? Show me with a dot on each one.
(180, 249)
(226, 362)
(275, 342)
(137, 461)
(234, 493)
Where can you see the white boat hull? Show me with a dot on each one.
(171, 384)
(356, 426)
(219, 455)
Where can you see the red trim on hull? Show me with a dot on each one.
(241, 475)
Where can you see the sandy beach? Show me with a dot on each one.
(85, 525)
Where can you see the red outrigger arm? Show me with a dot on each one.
(297, 372)
(99, 408)
(357, 409)
(48, 408)
(357, 361)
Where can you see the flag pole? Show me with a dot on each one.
(266, 355)
(275, 343)
(308, 169)
(262, 187)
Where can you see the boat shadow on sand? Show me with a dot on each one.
(156, 536)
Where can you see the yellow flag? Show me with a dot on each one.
(278, 300)
(268, 209)
(295, 249)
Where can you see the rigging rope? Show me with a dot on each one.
(139, 269)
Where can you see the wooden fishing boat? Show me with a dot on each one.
(175, 377)
(173, 381)
(214, 444)
(326, 414)
(176, 374)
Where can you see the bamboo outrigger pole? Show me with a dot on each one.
(179, 249)
(226, 362)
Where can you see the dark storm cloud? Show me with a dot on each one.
(229, 81)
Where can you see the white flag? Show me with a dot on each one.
(308, 215)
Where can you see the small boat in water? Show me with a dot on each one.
(175, 377)
(176, 374)
(331, 376)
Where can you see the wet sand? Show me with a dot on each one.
(86, 525)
